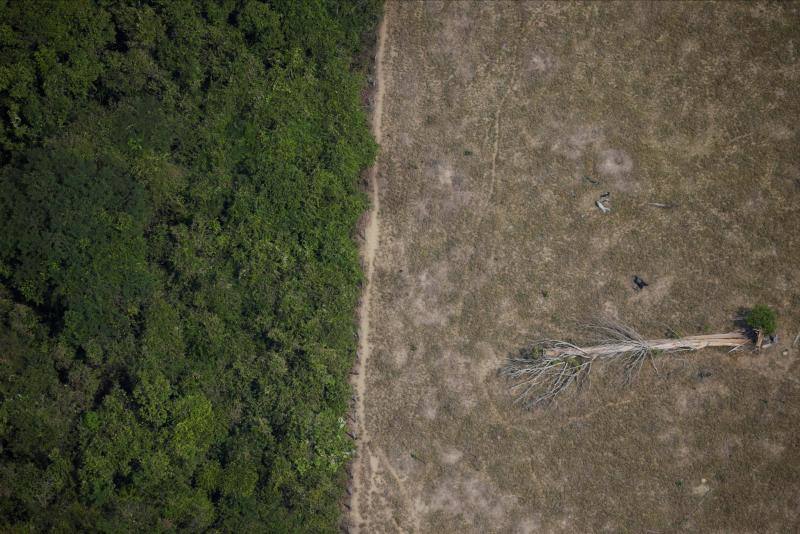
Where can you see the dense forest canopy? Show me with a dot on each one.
(178, 278)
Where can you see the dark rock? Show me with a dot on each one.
(640, 284)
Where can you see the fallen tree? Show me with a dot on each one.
(548, 368)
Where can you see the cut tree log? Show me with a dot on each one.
(548, 368)
(731, 339)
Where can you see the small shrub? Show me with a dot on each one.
(762, 318)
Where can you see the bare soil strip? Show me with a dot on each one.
(370, 246)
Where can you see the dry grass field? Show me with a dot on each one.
(497, 118)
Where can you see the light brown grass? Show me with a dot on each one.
(493, 113)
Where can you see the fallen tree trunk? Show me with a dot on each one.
(731, 339)
(546, 369)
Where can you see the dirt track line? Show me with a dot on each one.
(510, 87)
(496, 147)
(369, 248)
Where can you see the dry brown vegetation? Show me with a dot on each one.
(490, 238)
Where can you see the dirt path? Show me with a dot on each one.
(364, 457)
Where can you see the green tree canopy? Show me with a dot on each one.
(180, 187)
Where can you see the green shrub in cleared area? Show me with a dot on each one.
(179, 188)
(762, 318)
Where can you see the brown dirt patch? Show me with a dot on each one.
(493, 114)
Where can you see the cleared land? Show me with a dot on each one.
(493, 114)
